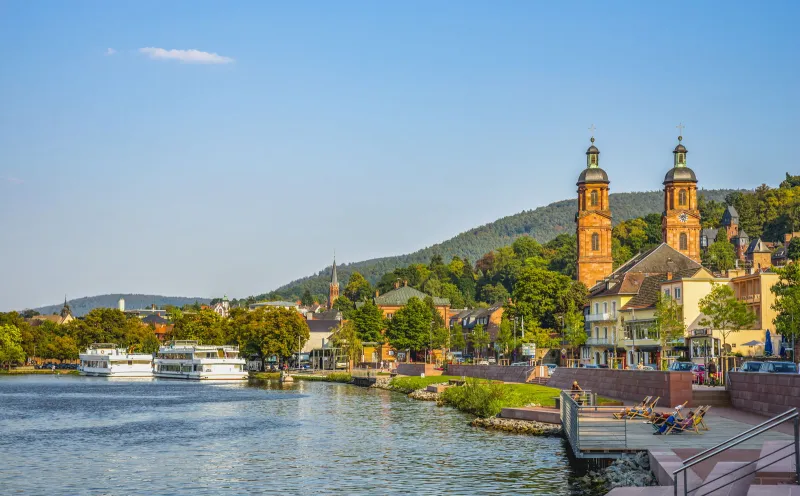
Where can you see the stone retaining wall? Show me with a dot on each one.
(416, 369)
(673, 387)
(491, 372)
(765, 394)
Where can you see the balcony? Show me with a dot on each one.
(754, 298)
(600, 317)
(599, 341)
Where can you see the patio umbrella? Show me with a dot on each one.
(768, 344)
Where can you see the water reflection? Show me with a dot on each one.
(93, 436)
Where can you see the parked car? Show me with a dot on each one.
(520, 364)
(492, 360)
(647, 367)
(750, 367)
(681, 366)
(483, 362)
(779, 367)
(590, 366)
(699, 372)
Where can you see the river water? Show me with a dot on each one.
(80, 435)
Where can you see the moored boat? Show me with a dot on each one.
(107, 360)
(190, 360)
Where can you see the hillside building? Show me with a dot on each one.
(63, 317)
(593, 221)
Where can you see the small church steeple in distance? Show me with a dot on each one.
(333, 289)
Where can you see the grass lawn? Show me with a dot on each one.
(407, 384)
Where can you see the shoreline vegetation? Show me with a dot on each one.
(38, 372)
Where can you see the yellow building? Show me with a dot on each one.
(606, 342)
(754, 291)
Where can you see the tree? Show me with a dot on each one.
(457, 340)
(720, 254)
(346, 338)
(787, 301)
(358, 288)
(494, 293)
(344, 305)
(479, 339)
(307, 299)
(574, 331)
(724, 313)
(63, 348)
(669, 321)
(505, 337)
(410, 327)
(205, 326)
(270, 331)
(10, 345)
(793, 250)
(369, 322)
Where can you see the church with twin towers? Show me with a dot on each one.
(680, 220)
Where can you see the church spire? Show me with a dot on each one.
(333, 289)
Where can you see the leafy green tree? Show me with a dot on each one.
(720, 255)
(505, 337)
(452, 293)
(346, 338)
(793, 250)
(344, 305)
(307, 299)
(724, 313)
(539, 295)
(711, 211)
(206, 326)
(787, 300)
(668, 321)
(369, 322)
(457, 341)
(562, 253)
(270, 331)
(63, 348)
(574, 330)
(526, 247)
(494, 293)
(358, 288)
(479, 339)
(10, 345)
(410, 327)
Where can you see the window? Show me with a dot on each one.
(684, 243)
(594, 159)
(595, 242)
(682, 197)
(593, 198)
(614, 309)
(597, 332)
(605, 307)
(605, 332)
(389, 316)
(596, 308)
(677, 293)
(666, 292)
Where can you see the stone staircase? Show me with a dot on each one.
(772, 477)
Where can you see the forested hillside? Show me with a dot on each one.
(82, 306)
(543, 224)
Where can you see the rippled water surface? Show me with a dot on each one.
(78, 435)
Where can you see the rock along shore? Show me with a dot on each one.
(518, 426)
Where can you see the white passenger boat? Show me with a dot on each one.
(107, 360)
(189, 360)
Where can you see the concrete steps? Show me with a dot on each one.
(776, 467)
(711, 397)
(728, 471)
(774, 491)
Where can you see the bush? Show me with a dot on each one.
(481, 399)
(407, 384)
(340, 377)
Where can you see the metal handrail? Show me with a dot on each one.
(735, 441)
(736, 438)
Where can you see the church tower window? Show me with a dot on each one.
(595, 242)
(684, 244)
(682, 197)
(593, 198)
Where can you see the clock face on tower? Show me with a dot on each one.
(683, 217)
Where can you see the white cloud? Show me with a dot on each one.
(186, 56)
(110, 51)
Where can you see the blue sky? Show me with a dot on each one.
(371, 128)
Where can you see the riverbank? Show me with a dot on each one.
(38, 372)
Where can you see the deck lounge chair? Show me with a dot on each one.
(626, 411)
(646, 412)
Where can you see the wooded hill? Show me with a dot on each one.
(82, 306)
(542, 224)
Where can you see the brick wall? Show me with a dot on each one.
(416, 369)
(673, 387)
(491, 372)
(766, 394)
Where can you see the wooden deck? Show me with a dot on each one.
(600, 435)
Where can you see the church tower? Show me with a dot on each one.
(333, 290)
(593, 221)
(680, 222)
